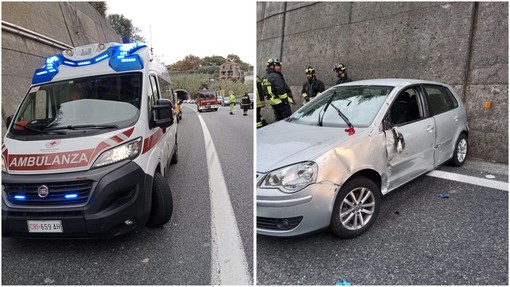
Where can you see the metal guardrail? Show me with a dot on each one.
(15, 29)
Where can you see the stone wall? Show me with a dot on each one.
(464, 44)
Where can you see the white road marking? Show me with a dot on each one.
(228, 261)
(470, 179)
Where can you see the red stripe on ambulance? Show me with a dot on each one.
(151, 141)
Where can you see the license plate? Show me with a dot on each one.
(45, 226)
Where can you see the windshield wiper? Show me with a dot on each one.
(77, 127)
(323, 111)
(47, 131)
(350, 130)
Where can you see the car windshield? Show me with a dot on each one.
(207, 95)
(358, 104)
(91, 103)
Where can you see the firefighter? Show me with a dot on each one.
(232, 103)
(312, 87)
(341, 73)
(260, 103)
(245, 103)
(278, 92)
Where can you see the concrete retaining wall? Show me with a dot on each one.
(464, 44)
(72, 23)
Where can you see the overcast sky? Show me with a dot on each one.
(196, 27)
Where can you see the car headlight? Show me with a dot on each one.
(291, 178)
(127, 151)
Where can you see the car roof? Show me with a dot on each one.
(390, 82)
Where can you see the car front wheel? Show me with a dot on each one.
(356, 207)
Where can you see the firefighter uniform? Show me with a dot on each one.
(278, 93)
(261, 102)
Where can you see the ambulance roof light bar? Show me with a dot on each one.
(121, 58)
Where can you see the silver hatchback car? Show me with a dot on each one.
(329, 163)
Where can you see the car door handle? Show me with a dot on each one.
(430, 129)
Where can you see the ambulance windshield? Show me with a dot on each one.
(91, 103)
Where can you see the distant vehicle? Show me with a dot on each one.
(207, 100)
(226, 101)
(220, 100)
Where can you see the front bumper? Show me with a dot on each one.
(309, 210)
(117, 194)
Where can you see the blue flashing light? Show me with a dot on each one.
(20, 197)
(83, 63)
(44, 75)
(133, 62)
(121, 59)
(71, 196)
(100, 58)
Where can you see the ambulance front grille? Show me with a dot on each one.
(59, 193)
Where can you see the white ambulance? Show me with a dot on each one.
(87, 151)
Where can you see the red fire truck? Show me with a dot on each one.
(207, 100)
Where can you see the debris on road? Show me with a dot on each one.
(343, 283)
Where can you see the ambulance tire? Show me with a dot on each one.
(175, 156)
(162, 203)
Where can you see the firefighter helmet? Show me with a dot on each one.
(310, 70)
(274, 61)
(339, 67)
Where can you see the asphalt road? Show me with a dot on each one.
(179, 253)
(418, 239)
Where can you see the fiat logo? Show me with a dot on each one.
(43, 191)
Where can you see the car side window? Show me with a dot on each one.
(439, 99)
(406, 108)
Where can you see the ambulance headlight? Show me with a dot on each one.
(127, 151)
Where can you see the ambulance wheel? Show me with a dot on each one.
(162, 204)
(175, 157)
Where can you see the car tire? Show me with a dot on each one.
(460, 151)
(162, 203)
(345, 217)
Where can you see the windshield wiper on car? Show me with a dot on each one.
(77, 127)
(350, 130)
(323, 111)
(47, 131)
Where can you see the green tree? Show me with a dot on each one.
(124, 27)
(189, 63)
(214, 61)
(100, 6)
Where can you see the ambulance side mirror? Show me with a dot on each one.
(163, 113)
